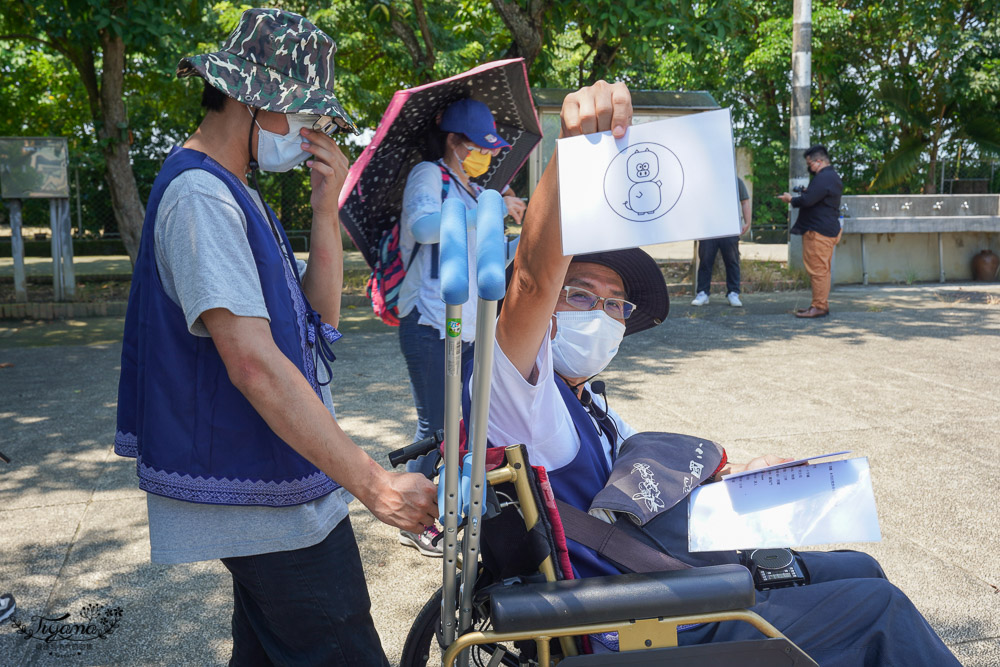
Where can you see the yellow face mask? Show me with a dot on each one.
(476, 163)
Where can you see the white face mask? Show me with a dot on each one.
(586, 341)
(281, 152)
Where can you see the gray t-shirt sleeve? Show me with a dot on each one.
(744, 193)
(202, 252)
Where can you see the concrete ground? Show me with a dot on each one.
(907, 376)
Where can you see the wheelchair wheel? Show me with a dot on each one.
(423, 642)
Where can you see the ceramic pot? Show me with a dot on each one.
(984, 266)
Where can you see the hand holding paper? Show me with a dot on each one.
(669, 180)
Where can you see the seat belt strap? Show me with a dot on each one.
(613, 543)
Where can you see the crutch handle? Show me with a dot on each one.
(490, 252)
(417, 449)
(454, 253)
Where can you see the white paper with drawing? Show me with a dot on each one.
(668, 180)
(789, 507)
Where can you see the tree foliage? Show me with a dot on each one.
(100, 41)
(898, 86)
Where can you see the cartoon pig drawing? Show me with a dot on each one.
(642, 167)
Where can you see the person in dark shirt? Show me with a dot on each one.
(729, 246)
(819, 225)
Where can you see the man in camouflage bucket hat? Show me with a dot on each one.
(275, 61)
(224, 397)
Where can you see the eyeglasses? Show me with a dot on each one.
(479, 149)
(329, 125)
(582, 299)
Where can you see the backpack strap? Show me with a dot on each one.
(611, 542)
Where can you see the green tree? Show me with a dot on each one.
(101, 41)
(938, 81)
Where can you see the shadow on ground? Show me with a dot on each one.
(906, 377)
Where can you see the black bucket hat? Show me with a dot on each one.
(644, 285)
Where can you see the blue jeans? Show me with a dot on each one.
(304, 607)
(730, 249)
(423, 349)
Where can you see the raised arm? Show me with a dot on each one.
(539, 266)
(323, 281)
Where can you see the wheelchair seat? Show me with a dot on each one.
(558, 604)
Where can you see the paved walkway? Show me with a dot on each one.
(906, 376)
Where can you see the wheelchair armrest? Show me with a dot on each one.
(558, 604)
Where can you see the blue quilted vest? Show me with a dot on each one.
(194, 436)
(579, 481)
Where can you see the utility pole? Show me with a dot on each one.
(798, 173)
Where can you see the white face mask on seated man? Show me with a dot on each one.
(585, 343)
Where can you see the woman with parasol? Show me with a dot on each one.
(458, 150)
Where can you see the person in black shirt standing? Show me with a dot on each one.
(819, 225)
(729, 246)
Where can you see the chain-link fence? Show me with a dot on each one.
(975, 176)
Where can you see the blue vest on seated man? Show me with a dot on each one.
(195, 437)
(579, 481)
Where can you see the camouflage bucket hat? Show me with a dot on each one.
(276, 61)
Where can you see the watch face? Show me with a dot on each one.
(771, 559)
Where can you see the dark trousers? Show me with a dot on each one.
(423, 349)
(848, 616)
(730, 249)
(304, 607)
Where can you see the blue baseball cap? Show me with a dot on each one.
(475, 120)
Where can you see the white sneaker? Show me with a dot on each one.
(700, 300)
(734, 300)
(7, 606)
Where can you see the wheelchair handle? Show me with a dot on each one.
(491, 254)
(416, 449)
(454, 253)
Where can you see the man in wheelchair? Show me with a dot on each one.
(561, 323)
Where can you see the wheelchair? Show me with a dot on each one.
(529, 611)
(516, 599)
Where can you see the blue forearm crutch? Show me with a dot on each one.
(491, 283)
(454, 292)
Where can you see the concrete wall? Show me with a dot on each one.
(908, 258)
(901, 236)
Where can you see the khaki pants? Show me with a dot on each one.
(817, 253)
